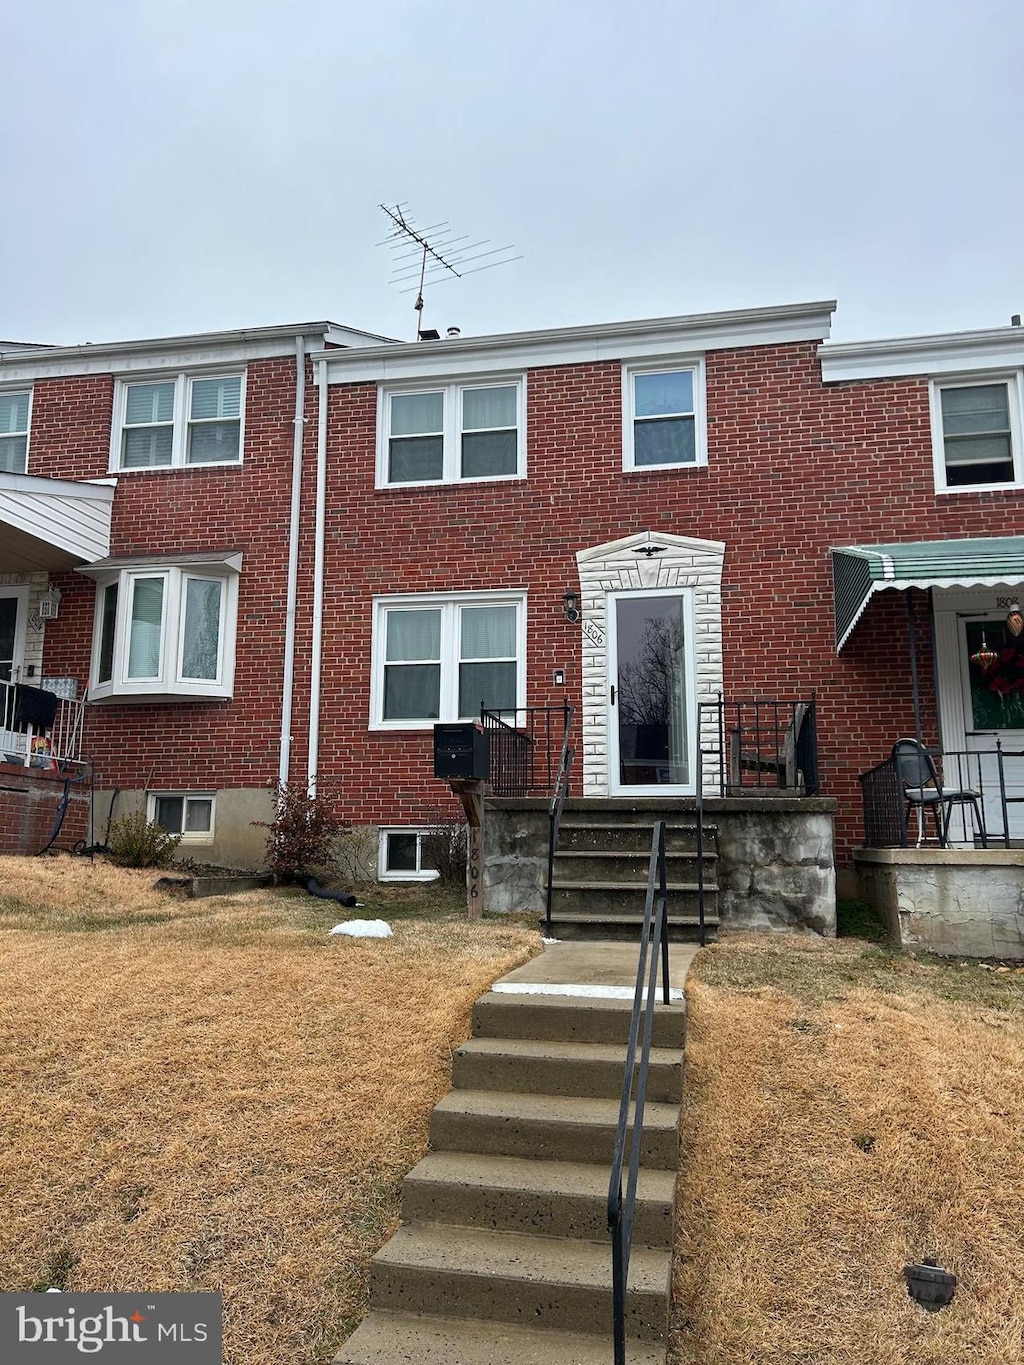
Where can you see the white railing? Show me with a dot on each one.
(24, 743)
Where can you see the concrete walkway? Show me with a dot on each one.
(504, 1257)
(595, 969)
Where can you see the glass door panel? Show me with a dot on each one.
(650, 697)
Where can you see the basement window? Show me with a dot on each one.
(188, 814)
(402, 857)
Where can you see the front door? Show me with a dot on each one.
(13, 606)
(994, 710)
(651, 695)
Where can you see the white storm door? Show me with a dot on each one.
(652, 720)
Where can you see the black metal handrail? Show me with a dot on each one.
(699, 841)
(621, 1208)
(524, 743)
(763, 744)
(555, 814)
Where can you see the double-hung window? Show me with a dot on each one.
(449, 433)
(179, 421)
(14, 415)
(977, 434)
(189, 815)
(663, 416)
(165, 630)
(443, 657)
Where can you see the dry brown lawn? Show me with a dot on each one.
(849, 1111)
(216, 1094)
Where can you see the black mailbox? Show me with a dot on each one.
(461, 751)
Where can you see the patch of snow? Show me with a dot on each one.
(363, 928)
(587, 992)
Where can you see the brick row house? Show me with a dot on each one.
(289, 552)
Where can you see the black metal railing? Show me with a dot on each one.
(526, 745)
(558, 796)
(761, 744)
(971, 806)
(699, 840)
(621, 1207)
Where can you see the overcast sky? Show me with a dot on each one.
(173, 166)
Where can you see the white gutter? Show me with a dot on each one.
(287, 682)
(316, 649)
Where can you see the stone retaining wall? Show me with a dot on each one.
(776, 868)
(955, 902)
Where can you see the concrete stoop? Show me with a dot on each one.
(504, 1255)
(600, 875)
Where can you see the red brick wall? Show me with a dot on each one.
(193, 744)
(794, 467)
(29, 801)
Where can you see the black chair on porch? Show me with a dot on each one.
(923, 791)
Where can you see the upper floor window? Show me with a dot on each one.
(165, 630)
(186, 420)
(663, 417)
(450, 433)
(976, 434)
(441, 658)
(14, 413)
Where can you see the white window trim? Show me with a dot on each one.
(421, 874)
(205, 836)
(168, 684)
(449, 651)
(179, 424)
(700, 421)
(452, 390)
(30, 390)
(1015, 405)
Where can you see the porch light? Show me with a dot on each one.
(1015, 620)
(570, 605)
(985, 657)
(49, 604)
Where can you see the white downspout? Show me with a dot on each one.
(288, 684)
(316, 649)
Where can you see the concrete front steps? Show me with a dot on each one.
(600, 875)
(504, 1255)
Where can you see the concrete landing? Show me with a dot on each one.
(592, 964)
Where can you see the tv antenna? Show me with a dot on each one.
(431, 255)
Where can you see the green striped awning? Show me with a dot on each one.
(859, 571)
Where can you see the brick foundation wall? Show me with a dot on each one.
(29, 799)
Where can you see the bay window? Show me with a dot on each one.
(165, 630)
